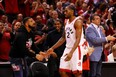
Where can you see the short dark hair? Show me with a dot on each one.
(58, 20)
(25, 20)
(72, 7)
(93, 16)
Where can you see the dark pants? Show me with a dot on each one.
(85, 73)
(53, 66)
(95, 68)
(19, 67)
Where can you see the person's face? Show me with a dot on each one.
(96, 20)
(31, 23)
(17, 26)
(34, 4)
(20, 17)
(4, 18)
(111, 43)
(55, 15)
(67, 12)
(57, 25)
(84, 6)
(50, 13)
(38, 19)
(59, 5)
(51, 7)
(44, 4)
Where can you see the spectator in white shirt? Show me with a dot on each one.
(112, 56)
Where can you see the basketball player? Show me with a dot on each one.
(71, 60)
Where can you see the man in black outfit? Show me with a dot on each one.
(23, 45)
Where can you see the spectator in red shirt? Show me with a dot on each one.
(4, 43)
(36, 9)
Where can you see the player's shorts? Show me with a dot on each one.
(75, 64)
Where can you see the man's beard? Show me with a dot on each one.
(32, 28)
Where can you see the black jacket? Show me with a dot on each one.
(52, 38)
(22, 41)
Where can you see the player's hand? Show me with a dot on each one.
(49, 51)
(68, 56)
(39, 57)
(42, 53)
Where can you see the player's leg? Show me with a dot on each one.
(76, 62)
(63, 74)
(78, 74)
(64, 69)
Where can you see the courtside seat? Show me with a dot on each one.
(38, 69)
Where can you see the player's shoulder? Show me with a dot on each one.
(79, 19)
(79, 22)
